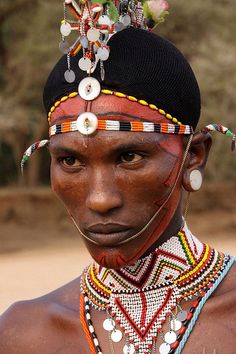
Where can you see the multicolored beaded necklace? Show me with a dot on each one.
(139, 298)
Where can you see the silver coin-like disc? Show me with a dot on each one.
(69, 76)
(129, 349)
(164, 348)
(109, 324)
(64, 47)
(170, 337)
(84, 41)
(126, 20)
(96, 8)
(182, 315)
(89, 88)
(116, 336)
(175, 325)
(85, 64)
(104, 20)
(119, 26)
(103, 53)
(65, 29)
(93, 35)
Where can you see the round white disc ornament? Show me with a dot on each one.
(93, 35)
(65, 29)
(104, 20)
(84, 41)
(64, 47)
(89, 88)
(69, 76)
(175, 325)
(195, 180)
(164, 348)
(116, 336)
(85, 64)
(170, 337)
(103, 53)
(125, 19)
(87, 123)
(129, 349)
(109, 324)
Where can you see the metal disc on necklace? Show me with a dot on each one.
(129, 349)
(182, 315)
(104, 20)
(93, 35)
(65, 29)
(89, 88)
(84, 41)
(164, 348)
(109, 324)
(126, 20)
(170, 337)
(85, 64)
(119, 26)
(64, 47)
(69, 76)
(175, 324)
(103, 53)
(116, 336)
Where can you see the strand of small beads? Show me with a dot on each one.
(90, 325)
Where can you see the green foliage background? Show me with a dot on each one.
(29, 37)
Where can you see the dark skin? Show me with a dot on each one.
(118, 179)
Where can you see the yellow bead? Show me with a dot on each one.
(73, 94)
(144, 103)
(57, 103)
(107, 92)
(175, 120)
(63, 99)
(131, 98)
(169, 116)
(162, 112)
(52, 109)
(152, 106)
(119, 94)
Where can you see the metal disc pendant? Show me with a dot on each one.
(103, 53)
(119, 26)
(85, 64)
(182, 315)
(116, 336)
(89, 88)
(109, 324)
(164, 348)
(65, 29)
(104, 20)
(175, 325)
(126, 20)
(84, 41)
(64, 47)
(69, 76)
(170, 337)
(129, 349)
(93, 35)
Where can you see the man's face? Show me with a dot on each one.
(112, 183)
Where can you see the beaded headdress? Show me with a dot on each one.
(114, 53)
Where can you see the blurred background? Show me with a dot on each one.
(39, 248)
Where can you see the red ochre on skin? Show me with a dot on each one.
(102, 191)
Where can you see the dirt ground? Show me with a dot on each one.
(41, 250)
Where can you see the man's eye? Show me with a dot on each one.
(130, 157)
(70, 161)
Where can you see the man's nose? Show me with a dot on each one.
(103, 195)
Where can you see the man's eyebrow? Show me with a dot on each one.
(61, 149)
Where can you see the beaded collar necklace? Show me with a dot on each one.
(139, 298)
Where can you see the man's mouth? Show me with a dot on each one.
(109, 234)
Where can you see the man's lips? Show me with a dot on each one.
(107, 234)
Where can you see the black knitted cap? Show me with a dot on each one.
(141, 64)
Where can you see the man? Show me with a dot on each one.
(154, 288)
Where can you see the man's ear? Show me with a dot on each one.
(196, 161)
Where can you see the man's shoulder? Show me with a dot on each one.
(26, 323)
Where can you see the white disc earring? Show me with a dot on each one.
(195, 180)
